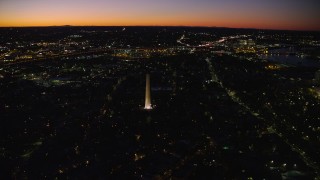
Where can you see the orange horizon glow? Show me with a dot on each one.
(159, 22)
(173, 24)
(233, 14)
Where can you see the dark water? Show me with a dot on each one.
(292, 60)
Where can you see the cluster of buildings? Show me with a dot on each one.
(181, 103)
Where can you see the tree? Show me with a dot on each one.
(317, 77)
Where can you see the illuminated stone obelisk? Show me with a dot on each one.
(148, 93)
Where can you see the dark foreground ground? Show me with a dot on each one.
(213, 118)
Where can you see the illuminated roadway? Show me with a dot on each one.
(271, 130)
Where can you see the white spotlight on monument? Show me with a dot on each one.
(148, 94)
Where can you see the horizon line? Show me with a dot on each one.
(251, 28)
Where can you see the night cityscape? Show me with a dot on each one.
(163, 101)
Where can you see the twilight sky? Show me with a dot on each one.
(269, 14)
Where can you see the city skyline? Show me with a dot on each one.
(159, 103)
(287, 15)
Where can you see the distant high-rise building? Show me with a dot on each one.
(148, 93)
